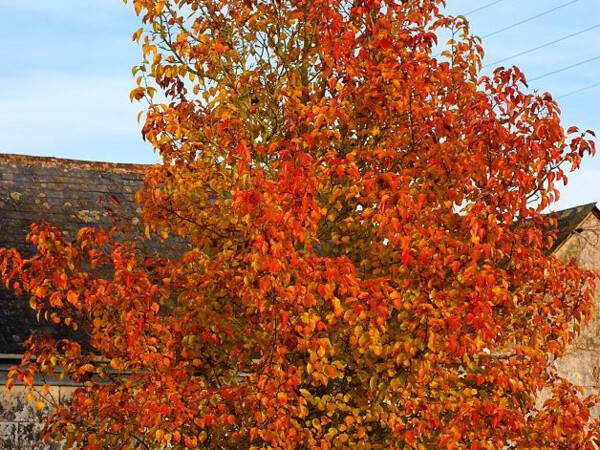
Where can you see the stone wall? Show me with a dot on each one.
(20, 420)
(581, 365)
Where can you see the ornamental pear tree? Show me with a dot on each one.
(369, 262)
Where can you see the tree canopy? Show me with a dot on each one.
(369, 263)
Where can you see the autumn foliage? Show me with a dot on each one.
(369, 264)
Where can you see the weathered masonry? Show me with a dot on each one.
(69, 194)
(579, 239)
(72, 194)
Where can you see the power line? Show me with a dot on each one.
(541, 46)
(564, 68)
(530, 18)
(577, 91)
(482, 7)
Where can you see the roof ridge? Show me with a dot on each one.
(51, 161)
(568, 220)
(585, 205)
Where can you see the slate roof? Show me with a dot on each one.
(569, 221)
(63, 192)
(66, 193)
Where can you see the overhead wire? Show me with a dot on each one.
(577, 91)
(547, 44)
(548, 11)
(543, 13)
(482, 7)
(580, 63)
(542, 46)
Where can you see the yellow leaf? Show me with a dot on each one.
(72, 297)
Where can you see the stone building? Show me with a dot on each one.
(69, 194)
(72, 194)
(579, 239)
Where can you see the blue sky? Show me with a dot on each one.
(66, 74)
(65, 80)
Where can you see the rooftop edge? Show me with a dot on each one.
(50, 161)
